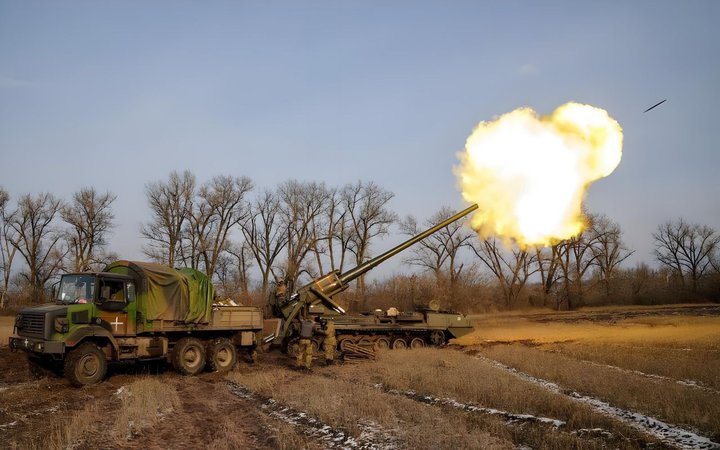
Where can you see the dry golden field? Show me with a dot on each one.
(600, 378)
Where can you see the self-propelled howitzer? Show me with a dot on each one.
(317, 299)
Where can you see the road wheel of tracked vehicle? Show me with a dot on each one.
(365, 342)
(188, 356)
(399, 344)
(85, 364)
(221, 355)
(437, 338)
(344, 341)
(417, 343)
(382, 343)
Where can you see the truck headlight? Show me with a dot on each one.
(18, 321)
(61, 325)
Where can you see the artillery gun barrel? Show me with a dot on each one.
(367, 266)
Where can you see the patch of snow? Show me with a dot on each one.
(670, 434)
(468, 407)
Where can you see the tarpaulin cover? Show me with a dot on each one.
(164, 293)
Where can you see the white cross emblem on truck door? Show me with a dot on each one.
(116, 323)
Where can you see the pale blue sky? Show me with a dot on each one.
(116, 94)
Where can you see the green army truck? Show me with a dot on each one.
(132, 312)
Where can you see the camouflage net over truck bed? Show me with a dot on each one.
(164, 293)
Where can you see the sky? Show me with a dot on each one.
(116, 94)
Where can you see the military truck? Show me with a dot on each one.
(134, 311)
(382, 329)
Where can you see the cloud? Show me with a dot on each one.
(11, 83)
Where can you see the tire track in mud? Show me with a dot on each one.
(372, 436)
(667, 433)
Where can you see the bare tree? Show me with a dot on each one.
(608, 249)
(7, 249)
(686, 249)
(366, 206)
(301, 209)
(511, 267)
(220, 206)
(576, 256)
(439, 252)
(171, 204)
(37, 240)
(242, 261)
(90, 218)
(265, 234)
(548, 261)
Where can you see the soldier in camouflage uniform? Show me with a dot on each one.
(305, 349)
(330, 342)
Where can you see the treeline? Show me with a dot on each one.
(248, 238)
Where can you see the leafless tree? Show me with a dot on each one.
(686, 249)
(7, 249)
(219, 207)
(608, 249)
(265, 234)
(548, 264)
(90, 218)
(171, 204)
(439, 253)
(241, 256)
(37, 240)
(366, 206)
(576, 256)
(511, 267)
(335, 233)
(301, 209)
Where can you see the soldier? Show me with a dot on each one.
(329, 343)
(305, 350)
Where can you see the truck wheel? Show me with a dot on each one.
(417, 343)
(399, 344)
(188, 356)
(382, 343)
(221, 355)
(85, 364)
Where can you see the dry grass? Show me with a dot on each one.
(698, 365)
(352, 406)
(443, 373)
(143, 403)
(6, 328)
(662, 399)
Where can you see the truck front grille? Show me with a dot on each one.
(32, 324)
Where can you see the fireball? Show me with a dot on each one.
(529, 173)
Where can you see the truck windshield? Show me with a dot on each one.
(76, 289)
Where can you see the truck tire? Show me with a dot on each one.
(188, 357)
(221, 355)
(85, 364)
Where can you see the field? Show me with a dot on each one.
(600, 378)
